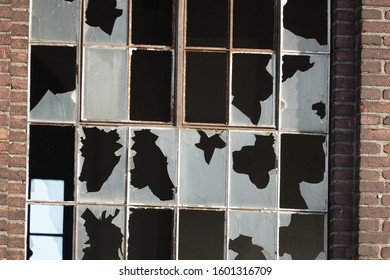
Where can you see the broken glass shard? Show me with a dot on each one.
(301, 237)
(100, 233)
(53, 83)
(253, 24)
(103, 164)
(305, 84)
(55, 21)
(203, 167)
(305, 25)
(253, 174)
(201, 235)
(303, 162)
(153, 165)
(251, 235)
(151, 77)
(206, 87)
(105, 85)
(207, 23)
(253, 88)
(150, 234)
(106, 21)
(152, 22)
(52, 156)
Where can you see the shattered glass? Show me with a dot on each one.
(251, 235)
(304, 93)
(106, 22)
(253, 87)
(153, 168)
(253, 173)
(305, 25)
(203, 167)
(102, 161)
(55, 21)
(301, 236)
(100, 232)
(105, 84)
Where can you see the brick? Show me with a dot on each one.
(17, 202)
(345, 29)
(386, 149)
(375, 107)
(341, 239)
(16, 228)
(344, 136)
(379, 187)
(21, 4)
(344, 69)
(16, 214)
(18, 97)
(369, 199)
(369, 175)
(16, 242)
(19, 83)
(19, 57)
(371, 80)
(371, 67)
(19, 43)
(375, 54)
(344, 96)
(370, 119)
(342, 175)
(19, 29)
(3, 133)
(342, 187)
(344, 15)
(386, 174)
(369, 225)
(343, 161)
(386, 121)
(17, 148)
(375, 26)
(341, 148)
(386, 226)
(383, 3)
(343, 42)
(15, 188)
(386, 199)
(343, 124)
(20, 16)
(374, 238)
(341, 213)
(340, 253)
(369, 250)
(371, 14)
(373, 40)
(15, 254)
(5, 25)
(370, 93)
(385, 252)
(386, 94)
(341, 199)
(374, 212)
(375, 134)
(343, 110)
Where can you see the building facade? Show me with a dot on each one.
(337, 61)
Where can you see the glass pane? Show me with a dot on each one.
(53, 83)
(203, 167)
(150, 234)
(100, 233)
(253, 90)
(253, 24)
(151, 86)
(52, 155)
(305, 92)
(46, 248)
(305, 25)
(102, 160)
(206, 87)
(301, 237)
(106, 21)
(251, 235)
(253, 175)
(47, 189)
(303, 172)
(207, 23)
(201, 235)
(55, 20)
(153, 166)
(152, 22)
(105, 84)
(46, 219)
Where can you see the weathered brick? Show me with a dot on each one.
(369, 250)
(375, 134)
(374, 212)
(370, 119)
(386, 226)
(369, 225)
(385, 252)
(373, 40)
(386, 199)
(371, 67)
(377, 107)
(369, 199)
(369, 175)
(386, 121)
(374, 237)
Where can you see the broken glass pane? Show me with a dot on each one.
(203, 167)
(47, 189)
(251, 235)
(304, 93)
(207, 23)
(106, 21)
(152, 22)
(305, 25)
(150, 234)
(205, 96)
(100, 233)
(53, 83)
(50, 230)
(253, 99)
(105, 84)
(153, 166)
(253, 24)
(52, 156)
(151, 86)
(55, 20)
(303, 172)
(102, 161)
(201, 235)
(301, 237)
(253, 174)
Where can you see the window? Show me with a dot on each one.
(178, 129)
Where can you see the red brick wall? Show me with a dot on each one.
(374, 149)
(13, 122)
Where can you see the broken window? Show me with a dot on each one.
(191, 129)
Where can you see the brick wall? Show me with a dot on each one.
(374, 149)
(13, 110)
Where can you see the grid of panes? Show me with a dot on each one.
(231, 166)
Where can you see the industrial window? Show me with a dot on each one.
(178, 129)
